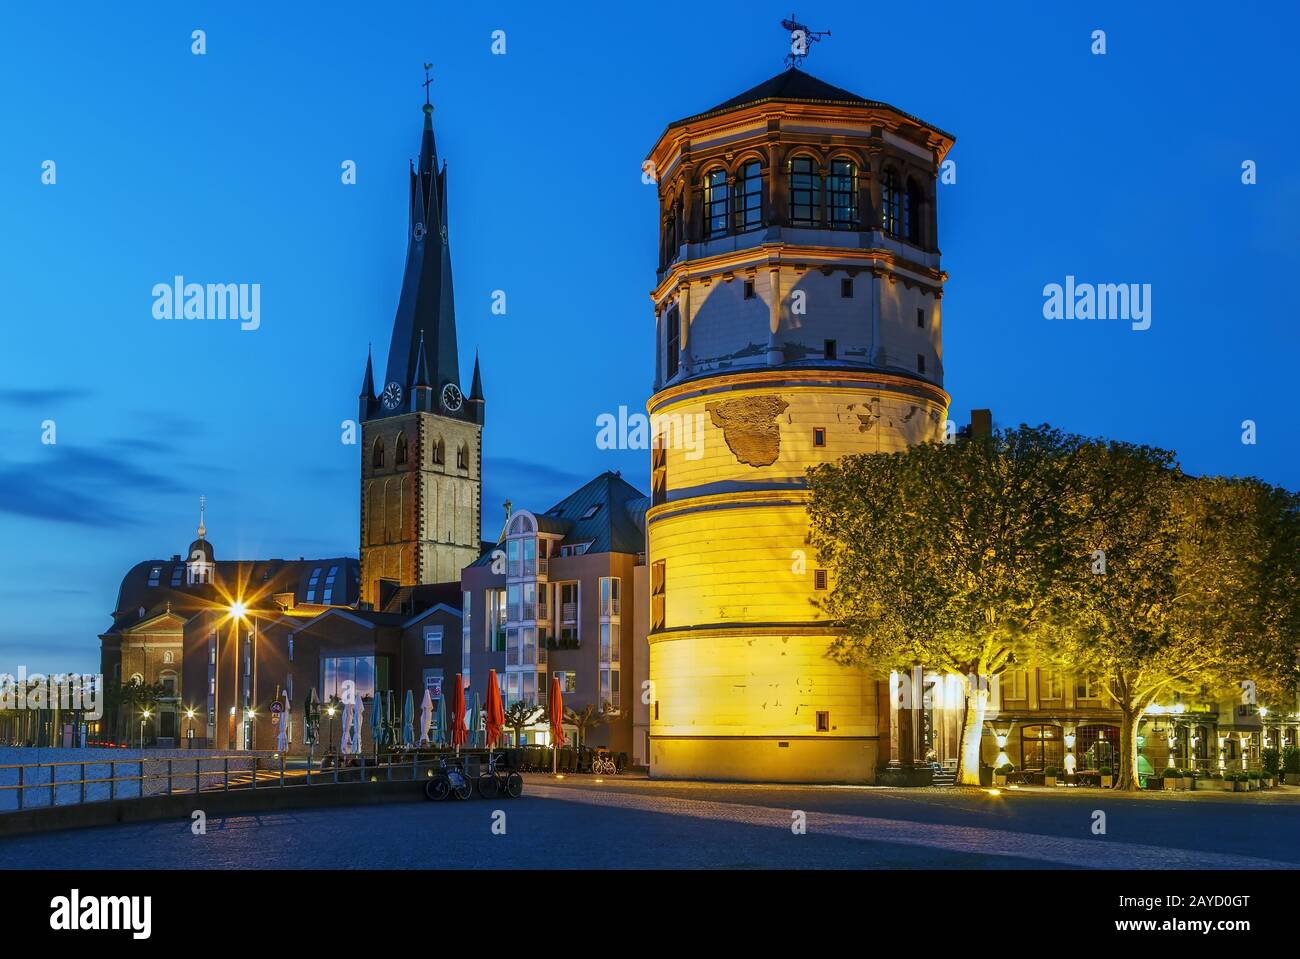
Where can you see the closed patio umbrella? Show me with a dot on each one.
(458, 730)
(408, 720)
(282, 740)
(475, 720)
(357, 719)
(345, 733)
(440, 729)
(377, 721)
(426, 717)
(556, 709)
(494, 719)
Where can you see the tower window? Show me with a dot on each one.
(462, 457)
(843, 195)
(749, 289)
(673, 342)
(805, 192)
(439, 452)
(399, 451)
(846, 288)
(913, 202)
(658, 576)
(748, 202)
(830, 350)
(920, 319)
(920, 363)
(823, 721)
(377, 453)
(715, 203)
(889, 203)
(819, 437)
(819, 579)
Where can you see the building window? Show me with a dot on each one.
(433, 640)
(673, 341)
(154, 574)
(715, 203)
(462, 457)
(1085, 688)
(658, 573)
(819, 436)
(846, 289)
(377, 453)
(749, 289)
(439, 452)
(1014, 684)
(749, 197)
(843, 195)
(433, 683)
(920, 363)
(364, 673)
(1050, 684)
(913, 204)
(823, 721)
(889, 202)
(829, 350)
(805, 192)
(920, 319)
(495, 641)
(659, 469)
(819, 579)
(399, 450)
(609, 589)
(1040, 747)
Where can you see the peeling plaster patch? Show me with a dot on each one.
(749, 427)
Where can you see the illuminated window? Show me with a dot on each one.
(805, 192)
(1040, 747)
(748, 205)
(715, 203)
(819, 439)
(890, 214)
(843, 195)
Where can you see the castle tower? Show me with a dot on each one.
(797, 317)
(421, 438)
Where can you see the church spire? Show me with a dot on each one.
(203, 503)
(426, 308)
(367, 397)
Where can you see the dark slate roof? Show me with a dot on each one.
(795, 86)
(413, 600)
(254, 580)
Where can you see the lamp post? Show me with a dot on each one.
(189, 738)
(144, 716)
(237, 610)
(329, 711)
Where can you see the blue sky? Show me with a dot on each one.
(225, 168)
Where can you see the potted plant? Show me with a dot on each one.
(1252, 779)
(1189, 778)
(1107, 779)
(1001, 773)
(1173, 778)
(1291, 765)
(1049, 776)
(1216, 781)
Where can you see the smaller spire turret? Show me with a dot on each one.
(203, 503)
(367, 397)
(422, 388)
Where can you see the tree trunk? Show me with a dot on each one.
(1127, 773)
(972, 731)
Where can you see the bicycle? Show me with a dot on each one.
(494, 782)
(448, 781)
(603, 766)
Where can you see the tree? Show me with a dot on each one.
(585, 719)
(942, 555)
(520, 716)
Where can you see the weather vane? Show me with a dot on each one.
(428, 80)
(800, 37)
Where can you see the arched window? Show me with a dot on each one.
(399, 451)
(843, 196)
(889, 202)
(439, 452)
(462, 457)
(805, 192)
(747, 204)
(715, 203)
(913, 208)
(1040, 747)
(377, 454)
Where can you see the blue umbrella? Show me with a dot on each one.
(408, 720)
(475, 719)
(440, 727)
(357, 718)
(377, 721)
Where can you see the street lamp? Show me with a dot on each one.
(189, 739)
(237, 609)
(329, 711)
(143, 717)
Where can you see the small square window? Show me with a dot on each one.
(846, 289)
(920, 363)
(830, 350)
(749, 289)
(823, 721)
(656, 709)
(920, 319)
(819, 579)
(819, 437)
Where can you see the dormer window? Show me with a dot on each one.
(154, 574)
(590, 511)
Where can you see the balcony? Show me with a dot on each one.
(569, 614)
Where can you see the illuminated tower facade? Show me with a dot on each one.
(797, 316)
(421, 436)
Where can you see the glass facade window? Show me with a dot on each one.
(748, 204)
(715, 203)
(513, 603)
(609, 589)
(843, 195)
(528, 639)
(433, 641)
(495, 640)
(512, 647)
(530, 556)
(890, 213)
(1040, 747)
(512, 557)
(805, 192)
(358, 675)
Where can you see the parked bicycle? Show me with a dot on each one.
(602, 765)
(495, 781)
(448, 780)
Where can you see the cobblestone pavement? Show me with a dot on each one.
(631, 823)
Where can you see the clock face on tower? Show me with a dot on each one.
(392, 396)
(451, 398)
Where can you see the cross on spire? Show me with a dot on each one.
(428, 81)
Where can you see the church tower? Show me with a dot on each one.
(797, 316)
(421, 437)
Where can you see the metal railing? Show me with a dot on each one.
(42, 785)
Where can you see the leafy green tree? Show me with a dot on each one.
(520, 716)
(942, 556)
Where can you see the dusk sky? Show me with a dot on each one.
(1122, 168)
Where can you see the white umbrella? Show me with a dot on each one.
(345, 735)
(282, 744)
(357, 712)
(426, 716)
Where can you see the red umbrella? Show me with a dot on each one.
(459, 732)
(494, 718)
(557, 720)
